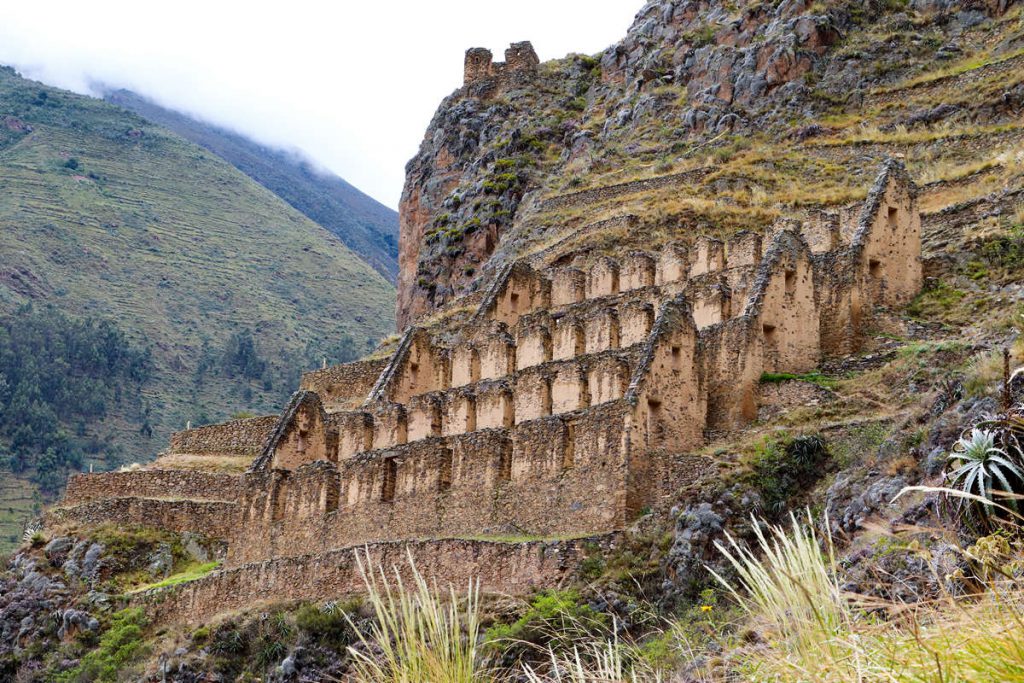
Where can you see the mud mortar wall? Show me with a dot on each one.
(153, 484)
(215, 519)
(238, 437)
(512, 568)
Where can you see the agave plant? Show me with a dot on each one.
(979, 464)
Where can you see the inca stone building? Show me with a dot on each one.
(561, 408)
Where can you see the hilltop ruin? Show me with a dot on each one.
(571, 400)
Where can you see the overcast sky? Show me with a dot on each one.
(351, 84)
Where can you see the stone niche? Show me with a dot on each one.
(533, 344)
(636, 319)
(602, 330)
(495, 407)
(532, 396)
(425, 416)
(355, 433)
(708, 256)
(568, 286)
(637, 271)
(568, 339)
(569, 390)
(607, 380)
(673, 264)
(603, 279)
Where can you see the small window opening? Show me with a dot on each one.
(505, 464)
(769, 333)
(790, 281)
(414, 374)
(444, 477)
(569, 454)
(875, 268)
(514, 302)
(677, 358)
(892, 217)
(387, 493)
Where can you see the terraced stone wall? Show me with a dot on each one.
(167, 484)
(237, 437)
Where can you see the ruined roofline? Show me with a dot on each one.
(479, 65)
(390, 372)
(894, 169)
(298, 400)
(673, 312)
(785, 242)
(495, 289)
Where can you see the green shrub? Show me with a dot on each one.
(120, 647)
(327, 625)
(782, 469)
(554, 617)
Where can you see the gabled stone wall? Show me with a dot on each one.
(562, 405)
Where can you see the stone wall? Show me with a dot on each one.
(344, 387)
(507, 568)
(238, 437)
(153, 484)
(215, 519)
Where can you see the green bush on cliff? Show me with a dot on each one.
(121, 646)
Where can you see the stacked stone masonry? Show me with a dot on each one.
(562, 407)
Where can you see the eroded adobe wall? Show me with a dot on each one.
(237, 437)
(153, 484)
(887, 247)
(510, 568)
(732, 364)
(215, 519)
(789, 315)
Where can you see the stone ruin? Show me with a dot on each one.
(520, 65)
(558, 410)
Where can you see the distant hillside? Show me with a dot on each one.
(366, 226)
(107, 217)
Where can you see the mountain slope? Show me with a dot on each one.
(366, 226)
(103, 214)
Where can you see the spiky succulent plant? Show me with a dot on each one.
(978, 465)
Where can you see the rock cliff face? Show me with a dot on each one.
(688, 75)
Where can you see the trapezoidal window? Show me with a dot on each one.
(569, 454)
(790, 282)
(505, 463)
(769, 333)
(875, 268)
(444, 476)
(414, 375)
(387, 489)
(654, 420)
(513, 302)
(891, 217)
(677, 358)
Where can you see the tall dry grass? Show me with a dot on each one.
(419, 635)
(787, 585)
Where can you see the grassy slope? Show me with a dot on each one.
(365, 225)
(172, 243)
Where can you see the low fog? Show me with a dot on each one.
(352, 86)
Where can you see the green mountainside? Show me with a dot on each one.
(366, 226)
(105, 216)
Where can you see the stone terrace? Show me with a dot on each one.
(560, 408)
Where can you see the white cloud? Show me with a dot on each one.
(352, 84)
